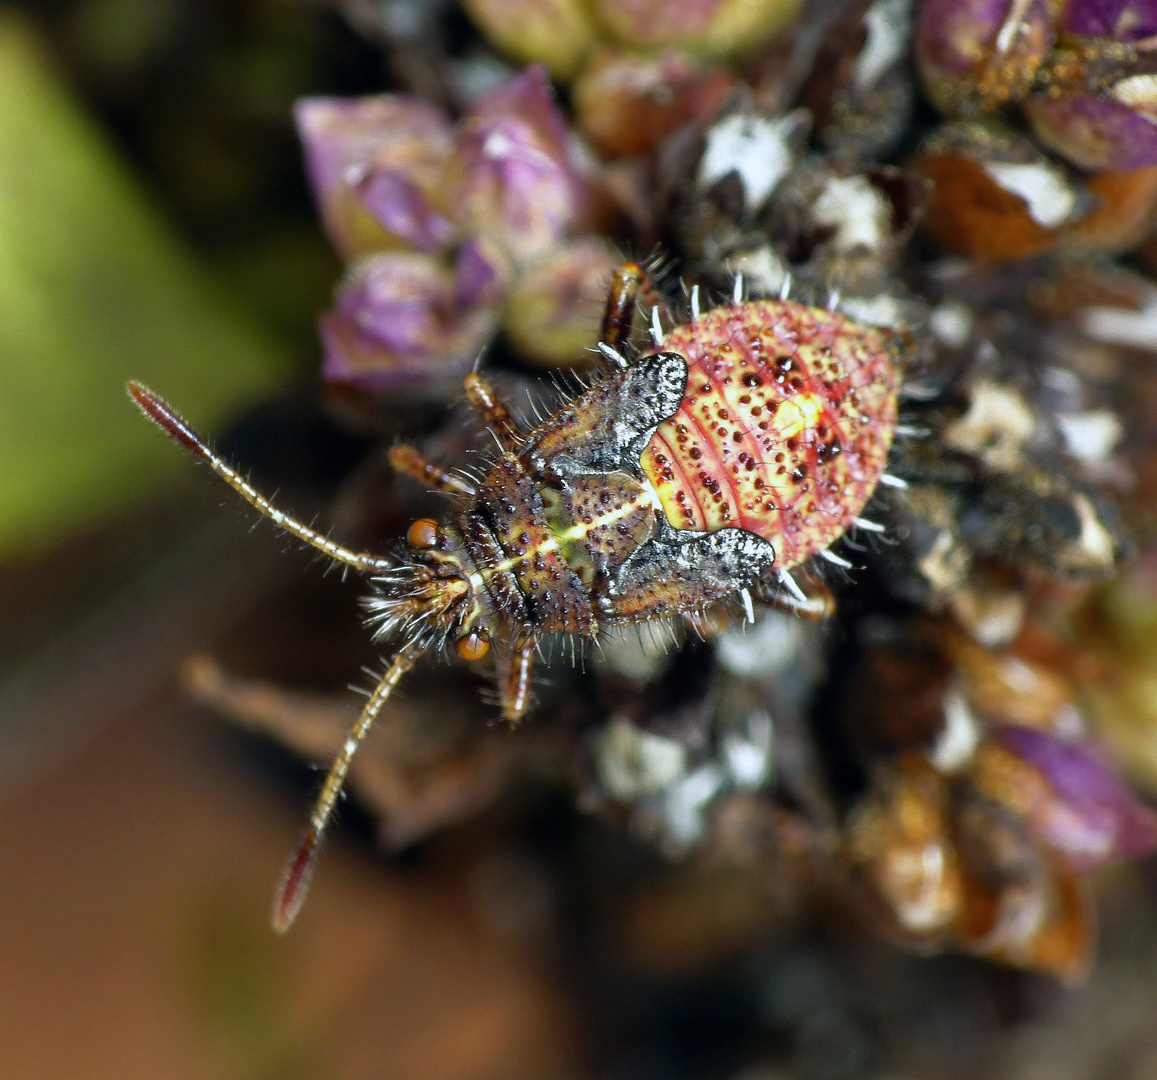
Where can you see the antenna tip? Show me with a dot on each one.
(295, 883)
(165, 417)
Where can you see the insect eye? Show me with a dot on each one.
(423, 533)
(473, 646)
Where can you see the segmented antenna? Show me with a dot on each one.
(295, 881)
(174, 425)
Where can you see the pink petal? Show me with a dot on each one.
(1125, 20)
(1098, 134)
(1093, 816)
(347, 140)
(397, 322)
(520, 188)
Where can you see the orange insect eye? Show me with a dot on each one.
(423, 533)
(473, 646)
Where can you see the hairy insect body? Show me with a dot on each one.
(519, 557)
(746, 441)
(784, 429)
(600, 521)
(567, 534)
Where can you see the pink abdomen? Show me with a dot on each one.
(784, 429)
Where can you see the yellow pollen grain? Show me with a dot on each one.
(798, 413)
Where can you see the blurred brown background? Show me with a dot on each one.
(154, 222)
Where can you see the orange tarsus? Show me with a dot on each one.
(516, 692)
(418, 467)
(494, 413)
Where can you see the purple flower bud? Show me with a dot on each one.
(481, 275)
(399, 321)
(377, 166)
(977, 55)
(1102, 133)
(404, 211)
(520, 187)
(1124, 20)
(1083, 810)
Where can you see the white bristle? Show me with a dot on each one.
(694, 302)
(835, 559)
(790, 584)
(656, 328)
(612, 355)
(916, 392)
(748, 607)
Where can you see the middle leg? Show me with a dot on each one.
(494, 413)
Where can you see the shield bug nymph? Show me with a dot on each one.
(741, 444)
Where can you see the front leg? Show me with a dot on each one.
(515, 666)
(410, 462)
(683, 572)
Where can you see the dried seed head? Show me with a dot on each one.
(980, 55)
(627, 104)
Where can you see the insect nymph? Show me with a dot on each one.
(699, 471)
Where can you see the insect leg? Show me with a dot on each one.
(295, 882)
(173, 424)
(419, 467)
(494, 413)
(312, 724)
(627, 282)
(514, 679)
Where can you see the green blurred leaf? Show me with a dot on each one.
(94, 288)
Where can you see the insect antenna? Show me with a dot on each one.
(295, 881)
(175, 426)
